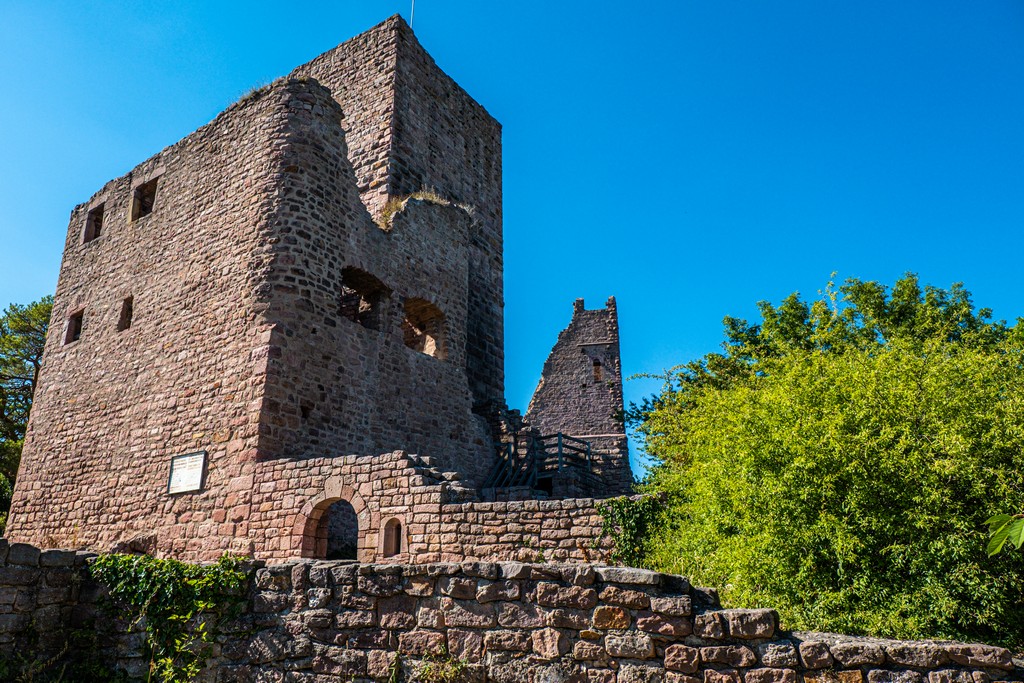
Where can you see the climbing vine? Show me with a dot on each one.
(179, 605)
(626, 521)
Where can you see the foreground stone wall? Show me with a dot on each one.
(508, 622)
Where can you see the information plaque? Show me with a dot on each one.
(187, 472)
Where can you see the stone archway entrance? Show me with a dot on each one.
(335, 525)
(341, 531)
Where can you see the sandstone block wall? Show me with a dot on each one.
(335, 386)
(567, 530)
(112, 407)
(440, 519)
(580, 394)
(238, 345)
(508, 622)
(409, 126)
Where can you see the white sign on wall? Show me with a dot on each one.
(187, 472)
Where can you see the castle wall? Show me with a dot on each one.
(113, 407)
(409, 127)
(506, 622)
(580, 394)
(440, 519)
(337, 386)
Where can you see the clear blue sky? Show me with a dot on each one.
(688, 157)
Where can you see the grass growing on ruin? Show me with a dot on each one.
(396, 205)
(179, 605)
(441, 667)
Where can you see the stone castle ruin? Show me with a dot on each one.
(282, 336)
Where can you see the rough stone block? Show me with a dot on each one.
(885, 676)
(57, 558)
(549, 643)
(815, 655)
(468, 614)
(852, 676)
(850, 654)
(751, 623)
(723, 676)
(640, 673)
(950, 676)
(505, 640)
(682, 658)
(585, 651)
(736, 656)
(611, 618)
(420, 643)
(628, 575)
(777, 655)
(920, 655)
(520, 615)
(630, 646)
(498, 590)
(381, 585)
(980, 655)
(23, 554)
(380, 664)
(338, 661)
(575, 619)
(466, 645)
(676, 677)
(553, 595)
(18, 576)
(673, 607)
(397, 612)
(663, 625)
(770, 676)
(624, 597)
(458, 587)
(710, 625)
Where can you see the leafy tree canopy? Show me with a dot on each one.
(839, 460)
(22, 335)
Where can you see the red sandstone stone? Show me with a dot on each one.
(682, 658)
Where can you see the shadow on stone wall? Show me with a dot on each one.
(508, 622)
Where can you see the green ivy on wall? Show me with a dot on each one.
(627, 522)
(179, 605)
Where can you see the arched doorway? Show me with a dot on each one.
(335, 524)
(341, 531)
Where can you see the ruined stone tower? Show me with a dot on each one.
(246, 321)
(580, 393)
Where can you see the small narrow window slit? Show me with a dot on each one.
(93, 224)
(127, 311)
(144, 199)
(74, 329)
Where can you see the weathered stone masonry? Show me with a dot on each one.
(580, 393)
(511, 622)
(265, 292)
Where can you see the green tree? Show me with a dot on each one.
(22, 335)
(839, 460)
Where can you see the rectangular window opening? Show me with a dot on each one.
(74, 329)
(362, 298)
(93, 224)
(127, 310)
(423, 327)
(144, 199)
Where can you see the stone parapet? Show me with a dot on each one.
(505, 621)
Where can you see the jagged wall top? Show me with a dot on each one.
(409, 126)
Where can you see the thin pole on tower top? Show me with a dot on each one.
(412, 15)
